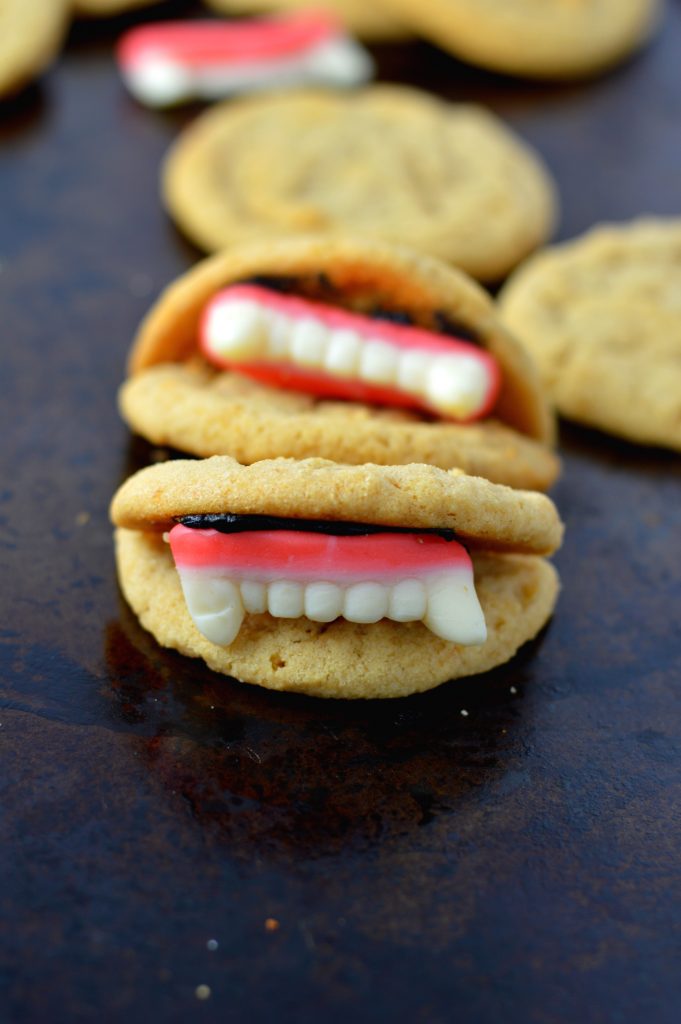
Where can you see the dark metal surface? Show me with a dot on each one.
(516, 863)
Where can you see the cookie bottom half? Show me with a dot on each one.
(205, 413)
(341, 659)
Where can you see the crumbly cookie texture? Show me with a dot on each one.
(318, 161)
(358, 16)
(602, 316)
(105, 8)
(341, 659)
(483, 515)
(542, 38)
(191, 408)
(30, 36)
(198, 409)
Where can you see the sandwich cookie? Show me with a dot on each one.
(331, 580)
(30, 37)
(534, 38)
(343, 348)
(388, 162)
(173, 62)
(359, 17)
(602, 317)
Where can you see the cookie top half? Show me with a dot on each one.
(483, 515)
(542, 38)
(356, 274)
(388, 162)
(602, 317)
(30, 36)
(363, 19)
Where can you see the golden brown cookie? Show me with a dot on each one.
(366, 20)
(366, 162)
(174, 397)
(517, 592)
(542, 38)
(601, 315)
(31, 32)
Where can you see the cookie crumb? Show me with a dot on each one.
(271, 924)
(82, 518)
(202, 992)
(212, 945)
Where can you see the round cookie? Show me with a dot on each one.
(174, 397)
(517, 592)
(536, 38)
(365, 162)
(602, 316)
(359, 17)
(30, 36)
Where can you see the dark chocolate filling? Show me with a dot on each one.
(226, 522)
(321, 289)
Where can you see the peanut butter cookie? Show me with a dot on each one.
(387, 162)
(375, 596)
(602, 317)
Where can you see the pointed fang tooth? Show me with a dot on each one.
(285, 599)
(456, 385)
(407, 601)
(323, 602)
(365, 602)
(454, 612)
(236, 330)
(215, 606)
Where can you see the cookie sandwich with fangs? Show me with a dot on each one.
(335, 580)
(341, 348)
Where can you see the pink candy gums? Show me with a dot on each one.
(280, 372)
(171, 62)
(312, 556)
(215, 43)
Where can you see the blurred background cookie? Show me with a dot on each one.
(602, 317)
(543, 38)
(388, 162)
(31, 32)
(366, 19)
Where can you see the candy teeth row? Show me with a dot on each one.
(447, 604)
(161, 81)
(240, 330)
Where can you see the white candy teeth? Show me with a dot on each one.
(309, 342)
(378, 363)
(285, 599)
(254, 596)
(456, 385)
(323, 602)
(215, 605)
(407, 601)
(412, 371)
(279, 336)
(342, 355)
(365, 602)
(238, 330)
(453, 611)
